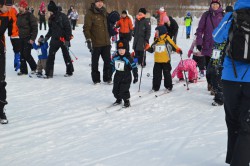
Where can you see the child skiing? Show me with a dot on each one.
(162, 58)
(42, 55)
(122, 63)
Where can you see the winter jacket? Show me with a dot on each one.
(96, 26)
(208, 22)
(142, 32)
(188, 21)
(42, 49)
(173, 28)
(41, 15)
(125, 25)
(73, 15)
(220, 35)
(27, 25)
(163, 18)
(59, 27)
(160, 47)
(128, 65)
(13, 31)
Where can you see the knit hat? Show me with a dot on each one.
(113, 17)
(52, 7)
(98, 0)
(9, 2)
(188, 14)
(41, 39)
(142, 10)
(121, 44)
(229, 9)
(2, 2)
(23, 3)
(161, 9)
(215, 1)
(124, 12)
(162, 30)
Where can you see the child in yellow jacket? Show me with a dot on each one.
(162, 50)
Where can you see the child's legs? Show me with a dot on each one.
(43, 62)
(116, 88)
(157, 76)
(124, 87)
(39, 67)
(167, 75)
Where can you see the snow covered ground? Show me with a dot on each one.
(66, 122)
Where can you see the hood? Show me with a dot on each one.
(220, 10)
(241, 4)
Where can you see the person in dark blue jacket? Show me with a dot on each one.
(236, 92)
(42, 50)
(122, 63)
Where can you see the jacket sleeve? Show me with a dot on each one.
(34, 27)
(67, 27)
(201, 28)
(35, 46)
(130, 24)
(118, 24)
(220, 34)
(87, 26)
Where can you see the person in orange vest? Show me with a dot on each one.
(126, 28)
(5, 20)
(13, 33)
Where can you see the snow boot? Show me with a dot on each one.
(3, 118)
(117, 102)
(126, 104)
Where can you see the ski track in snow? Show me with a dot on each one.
(65, 121)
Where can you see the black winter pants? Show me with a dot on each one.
(26, 56)
(54, 47)
(73, 22)
(122, 82)
(107, 71)
(3, 83)
(16, 45)
(42, 22)
(237, 110)
(160, 68)
(208, 76)
(141, 57)
(200, 60)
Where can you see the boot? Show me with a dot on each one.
(117, 102)
(3, 118)
(126, 104)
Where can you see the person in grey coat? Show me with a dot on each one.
(142, 32)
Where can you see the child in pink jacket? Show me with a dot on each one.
(189, 66)
(197, 57)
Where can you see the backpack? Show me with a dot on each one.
(238, 47)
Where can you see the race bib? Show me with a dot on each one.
(160, 48)
(216, 54)
(119, 65)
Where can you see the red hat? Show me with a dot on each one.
(215, 1)
(23, 3)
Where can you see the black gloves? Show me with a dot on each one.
(66, 43)
(89, 45)
(199, 47)
(135, 80)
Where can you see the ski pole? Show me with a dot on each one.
(184, 73)
(73, 54)
(142, 64)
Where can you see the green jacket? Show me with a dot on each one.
(96, 26)
(188, 21)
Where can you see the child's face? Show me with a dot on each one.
(156, 33)
(121, 51)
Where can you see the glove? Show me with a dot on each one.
(89, 45)
(189, 53)
(66, 43)
(135, 80)
(147, 46)
(179, 51)
(199, 47)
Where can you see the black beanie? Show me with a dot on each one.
(52, 7)
(121, 44)
(143, 10)
(229, 9)
(124, 12)
(162, 30)
(2, 2)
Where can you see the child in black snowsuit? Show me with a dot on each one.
(122, 63)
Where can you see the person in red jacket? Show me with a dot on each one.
(126, 27)
(5, 20)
